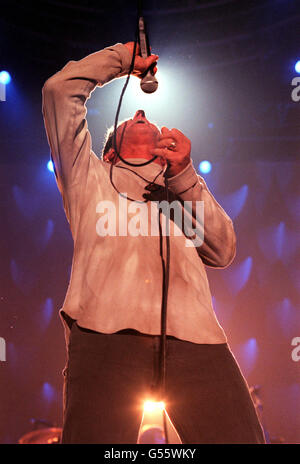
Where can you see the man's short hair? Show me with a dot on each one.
(109, 138)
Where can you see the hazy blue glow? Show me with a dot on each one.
(234, 203)
(277, 242)
(48, 392)
(285, 316)
(251, 347)
(47, 311)
(5, 77)
(238, 275)
(279, 238)
(248, 352)
(23, 276)
(27, 202)
(49, 230)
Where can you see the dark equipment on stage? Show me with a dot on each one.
(43, 433)
(50, 436)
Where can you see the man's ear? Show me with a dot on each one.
(109, 155)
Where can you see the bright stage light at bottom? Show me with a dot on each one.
(151, 406)
(152, 427)
(155, 422)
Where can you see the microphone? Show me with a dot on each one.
(149, 82)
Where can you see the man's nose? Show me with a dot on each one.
(140, 114)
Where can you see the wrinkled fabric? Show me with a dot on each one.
(116, 280)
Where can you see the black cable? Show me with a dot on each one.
(165, 289)
(152, 182)
(160, 386)
(117, 151)
(165, 265)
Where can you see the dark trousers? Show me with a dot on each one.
(108, 377)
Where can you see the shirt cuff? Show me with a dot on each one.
(125, 57)
(184, 180)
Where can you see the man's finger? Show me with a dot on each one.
(170, 135)
(164, 130)
(162, 152)
(164, 142)
(150, 60)
(177, 132)
(170, 132)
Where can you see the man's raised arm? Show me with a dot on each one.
(64, 110)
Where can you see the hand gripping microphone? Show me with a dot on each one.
(148, 82)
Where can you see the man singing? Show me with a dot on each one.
(112, 309)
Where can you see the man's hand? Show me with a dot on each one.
(141, 64)
(175, 148)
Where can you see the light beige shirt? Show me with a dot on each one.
(116, 280)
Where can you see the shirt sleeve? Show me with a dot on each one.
(64, 110)
(212, 231)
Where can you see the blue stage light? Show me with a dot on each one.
(205, 167)
(47, 312)
(247, 352)
(48, 392)
(238, 275)
(234, 203)
(50, 166)
(5, 77)
(297, 67)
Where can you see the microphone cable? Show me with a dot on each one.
(117, 152)
(164, 303)
(160, 386)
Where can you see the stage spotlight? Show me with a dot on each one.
(50, 166)
(155, 422)
(156, 105)
(205, 167)
(5, 77)
(152, 428)
(151, 406)
(297, 67)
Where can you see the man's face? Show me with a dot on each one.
(138, 131)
